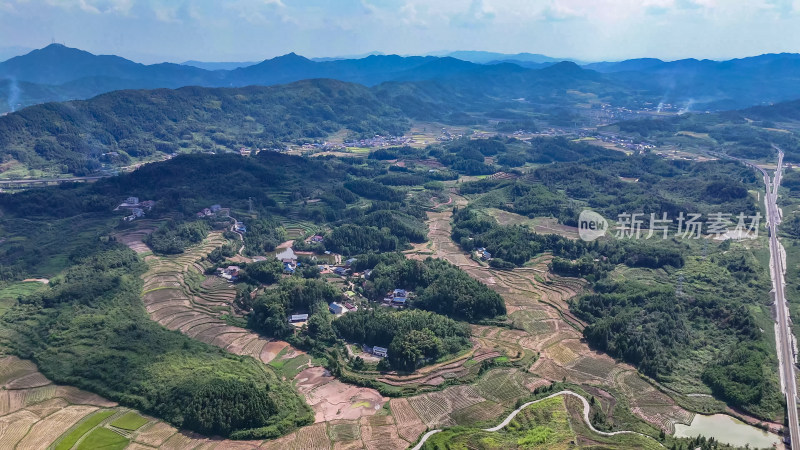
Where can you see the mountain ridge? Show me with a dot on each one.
(59, 73)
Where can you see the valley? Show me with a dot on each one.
(391, 252)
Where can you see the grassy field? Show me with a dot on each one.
(103, 439)
(130, 421)
(68, 441)
(11, 292)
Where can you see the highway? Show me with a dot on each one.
(783, 332)
(45, 181)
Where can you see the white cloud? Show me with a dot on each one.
(91, 6)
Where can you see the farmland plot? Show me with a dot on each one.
(313, 437)
(44, 432)
(156, 434)
(344, 430)
(409, 425)
(478, 413)
(503, 386)
(380, 433)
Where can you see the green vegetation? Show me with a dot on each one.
(69, 440)
(707, 331)
(410, 336)
(514, 244)
(130, 421)
(263, 235)
(172, 238)
(296, 296)
(438, 286)
(10, 293)
(103, 439)
(267, 272)
(355, 239)
(542, 425)
(106, 344)
(707, 337)
(122, 126)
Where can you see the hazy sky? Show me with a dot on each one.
(249, 30)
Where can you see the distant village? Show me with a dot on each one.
(136, 208)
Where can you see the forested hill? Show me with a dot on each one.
(76, 137)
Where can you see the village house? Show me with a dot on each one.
(298, 319)
(337, 309)
(287, 255)
(379, 351)
(397, 298)
(133, 203)
(230, 273)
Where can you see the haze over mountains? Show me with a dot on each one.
(58, 73)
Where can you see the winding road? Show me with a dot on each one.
(507, 420)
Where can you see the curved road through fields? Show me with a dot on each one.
(507, 420)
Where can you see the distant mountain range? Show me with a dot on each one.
(455, 80)
(217, 65)
(479, 57)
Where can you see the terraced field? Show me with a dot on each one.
(34, 412)
(536, 301)
(436, 374)
(180, 297)
(70, 418)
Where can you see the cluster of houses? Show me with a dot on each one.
(396, 298)
(213, 210)
(379, 141)
(447, 136)
(337, 308)
(345, 270)
(135, 207)
(624, 142)
(289, 259)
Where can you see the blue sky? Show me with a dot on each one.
(250, 30)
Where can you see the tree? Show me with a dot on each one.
(265, 272)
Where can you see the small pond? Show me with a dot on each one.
(725, 428)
